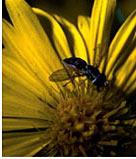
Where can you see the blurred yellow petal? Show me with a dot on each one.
(78, 46)
(15, 105)
(27, 144)
(58, 35)
(9, 38)
(7, 53)
(13, 71)
(84, 28)
(36, 66)
(121, 42)
(10, 124)
(31, 38)
(132, 86)
(24, 104)
(126, 75)
(101, 21)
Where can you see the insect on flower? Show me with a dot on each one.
(76, 67)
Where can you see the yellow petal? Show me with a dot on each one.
(16, 74)
(20, 101)
(101, 21)
(8, 34)
(76, 42)
(10, 124)
(121, 43)
(132, 87)
(23, 95)
(57, 34)
(24, 144)
(16, 106)
(126, 75)
(7, 53)
(31, 39)
(84, 28)
(35, 65)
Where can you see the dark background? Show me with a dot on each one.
(66, 8)
(73, 7)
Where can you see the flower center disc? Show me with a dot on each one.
(83, 121)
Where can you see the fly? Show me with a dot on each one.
(76, 67)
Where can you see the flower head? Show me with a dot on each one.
(44, 118)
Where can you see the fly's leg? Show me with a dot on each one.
(66, 83)
(73, 79)
(98, 89)
(83, 82)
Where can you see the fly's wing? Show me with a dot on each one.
(60, 75)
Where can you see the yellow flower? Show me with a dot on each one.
(43, 118)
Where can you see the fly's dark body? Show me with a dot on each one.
(80, 68)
